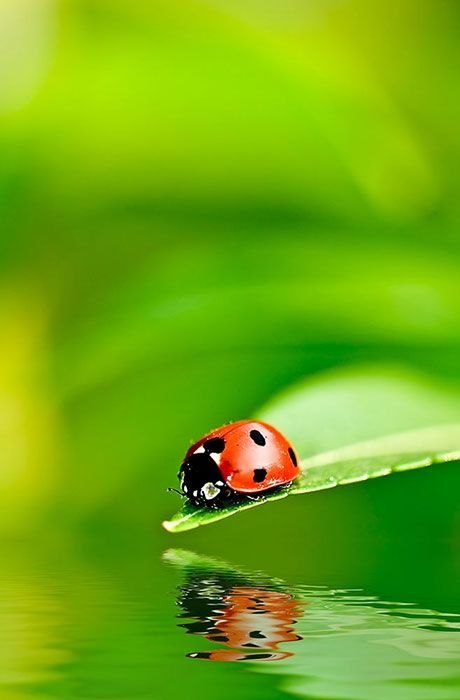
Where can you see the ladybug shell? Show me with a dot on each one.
(252, 620)
(248, 610)
(223, 655)
(254, 458)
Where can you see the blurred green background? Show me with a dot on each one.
(202, 202)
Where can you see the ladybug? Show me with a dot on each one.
(248, 619)
(245, 459)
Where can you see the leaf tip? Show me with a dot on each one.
(180, 523)
(169, 525)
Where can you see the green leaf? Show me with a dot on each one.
(353, 425)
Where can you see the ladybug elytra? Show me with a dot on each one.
(242, 459)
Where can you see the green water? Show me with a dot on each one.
(128, 619)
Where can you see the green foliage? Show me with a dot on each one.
(202, 204)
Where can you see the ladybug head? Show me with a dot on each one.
(201, 480)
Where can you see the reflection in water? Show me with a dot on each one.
(348, 645)
(250, 619)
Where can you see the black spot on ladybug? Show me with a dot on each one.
(220, 638)
(292, 456)
(250, 644)
(259, 475)
(256, 634)
(257, 437)
(260, 656)
(214, 445)
(200, 655)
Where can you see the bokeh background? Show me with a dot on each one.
(202, 202)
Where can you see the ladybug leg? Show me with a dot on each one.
(268, 492)
(258, 496)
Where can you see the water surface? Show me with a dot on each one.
(133, 623)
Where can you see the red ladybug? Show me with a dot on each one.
(242, 459)
(248, 619)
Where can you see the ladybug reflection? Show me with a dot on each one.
(250, 620)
